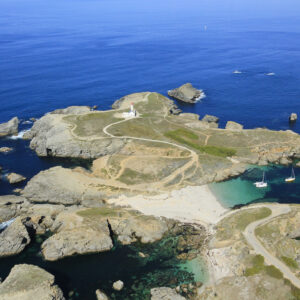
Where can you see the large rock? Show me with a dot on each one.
(11, 206)
(210, 119)
(28, 282)
(75, 236)
(100, 295)
(293, 117)
(118, 285)
(10, 127)
(14, 238)
(51, 136)
(165, 293)
(233, 126)
(5, 149)
(15, 178)
(186, 93)
(61, 186)
(72, 110)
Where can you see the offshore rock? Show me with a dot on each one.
(5, 149)
(118, 285)
(28, 282)
(165, 293)
(10, 127)
(13, 239)
(233, 126)
(15, 178)
(100, 295)
(293, 117)
(186, 93)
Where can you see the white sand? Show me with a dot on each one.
(193, 204)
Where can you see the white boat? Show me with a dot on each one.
(292, 177)
(261, 184)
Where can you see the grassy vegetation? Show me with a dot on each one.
(130, 176)
(96, 212)
(257, 266)
(190, 139)
(273, 272)
(289, 262)
(237, 222)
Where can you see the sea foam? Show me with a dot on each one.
(19, 135)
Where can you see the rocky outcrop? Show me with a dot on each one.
(165, 293)
(15, 178)
(11, 206)
(62, 186)
(72, 110)
(189, 116)
(51, 136)
(210, 119)
(13, 239)
(233, 126)
(28, 282)
(74, 236)
(141, 228)
(5, 149)
(10, 127)
(186, 93)
(293, 117)
(118, 285)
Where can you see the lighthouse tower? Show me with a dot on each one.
(131, 108)
(131, 113)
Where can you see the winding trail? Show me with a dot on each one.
(249, 233)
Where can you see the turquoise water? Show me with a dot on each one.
(198, 267)
(241, 190)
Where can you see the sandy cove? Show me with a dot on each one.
(193, 204)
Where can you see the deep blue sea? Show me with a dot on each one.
(92, 52)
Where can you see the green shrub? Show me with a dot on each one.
(289, 262)
(189, 138)
(273, 272)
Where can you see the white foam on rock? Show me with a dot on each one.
(19, 135)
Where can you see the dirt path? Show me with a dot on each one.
(249, 234)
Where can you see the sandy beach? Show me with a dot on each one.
(193, 204)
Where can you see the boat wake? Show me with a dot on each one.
(237, 72)
(270, 74)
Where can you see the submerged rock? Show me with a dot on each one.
(165, 293)
(28, 282)
(10, 127)
(118, 285)
(233, 126)
(13, 239)
(15, 178)
(186, 93)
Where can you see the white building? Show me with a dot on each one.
(131, 113)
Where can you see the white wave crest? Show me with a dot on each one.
(237, 72)
(19, 135)
(270, 74)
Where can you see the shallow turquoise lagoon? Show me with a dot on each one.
(241, 190)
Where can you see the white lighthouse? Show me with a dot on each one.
(131, 113)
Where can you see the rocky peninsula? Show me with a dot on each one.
(146, 185)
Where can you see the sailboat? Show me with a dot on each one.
(292, 177)
(261, 184)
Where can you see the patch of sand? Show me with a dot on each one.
(193, 204)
